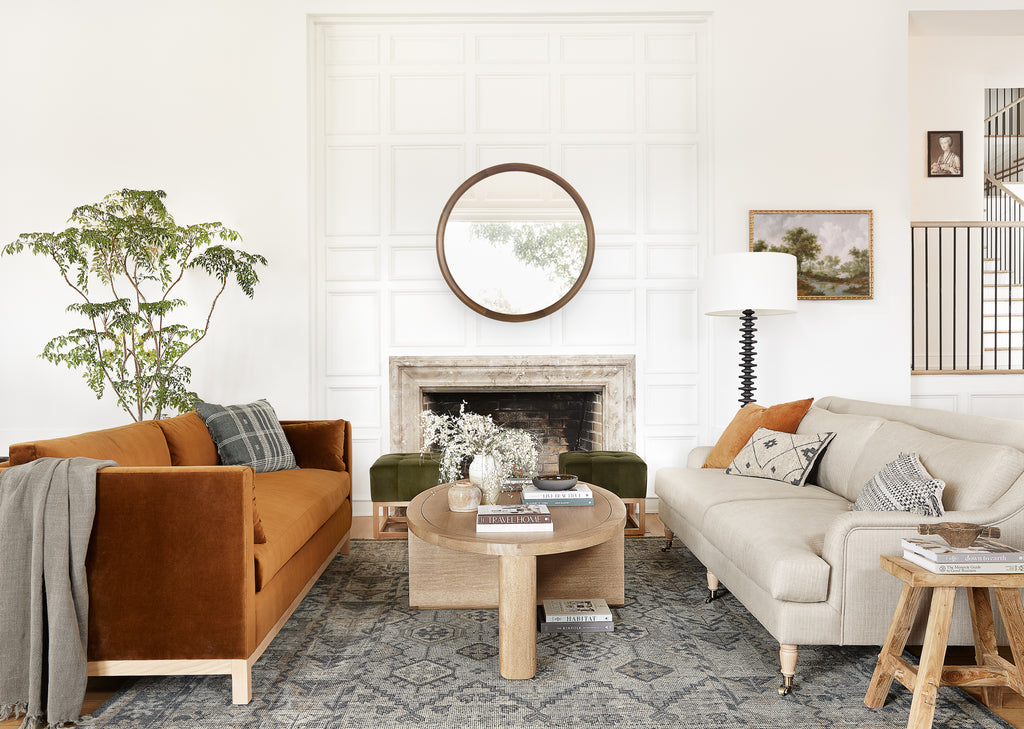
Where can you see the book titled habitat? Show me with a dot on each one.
(832, 249)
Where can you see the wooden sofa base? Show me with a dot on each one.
(240, 669)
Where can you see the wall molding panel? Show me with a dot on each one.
(405, 108)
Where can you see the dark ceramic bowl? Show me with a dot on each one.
(556, 482)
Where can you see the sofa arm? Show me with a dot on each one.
(697, 456)
(323, 444)
(170, 564)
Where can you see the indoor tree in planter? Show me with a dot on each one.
(124, 257)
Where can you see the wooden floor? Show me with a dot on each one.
(102, 688)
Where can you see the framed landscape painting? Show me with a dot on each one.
(832, 249)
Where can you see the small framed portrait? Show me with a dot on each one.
(945, 154)
(833, 249)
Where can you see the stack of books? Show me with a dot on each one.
(578, 495)
(576, 616)
(513, 518)
(985, 556)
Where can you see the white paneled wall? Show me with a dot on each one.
(406, 108)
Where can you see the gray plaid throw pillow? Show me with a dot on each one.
(248, 435)
(902, 485)
(785, 457)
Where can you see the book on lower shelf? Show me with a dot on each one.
(602, 627)
(593, 610)
(935, 549)
(964, 568)
(513, 518)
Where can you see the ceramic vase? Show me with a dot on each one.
(483, 473)
(463, 496)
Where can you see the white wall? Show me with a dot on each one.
(208, 100)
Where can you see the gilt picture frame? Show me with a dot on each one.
(833, 248)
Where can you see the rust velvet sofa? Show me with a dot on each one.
(194, 567)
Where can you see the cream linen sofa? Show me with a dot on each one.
(805, 565)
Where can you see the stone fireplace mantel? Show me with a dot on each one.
(614, 376)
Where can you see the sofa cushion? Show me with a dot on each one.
(976, 474)
(778, 543)
(189, 441)
(693, 492)
(902, 485)
(785, 457)
(851, 434)
(138, 444)
(293, 505)
(248, 435)
(317, 443)
(785, 417)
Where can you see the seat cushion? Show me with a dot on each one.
(976, 474)
(138, 444)
(778, 543)
(694, 492)
(621, 472)
(293, 504)
(403, 476)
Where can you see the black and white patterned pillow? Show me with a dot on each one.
(785, 457)
(248, 435)
(902, 485)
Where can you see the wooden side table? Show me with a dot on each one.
(992, 672)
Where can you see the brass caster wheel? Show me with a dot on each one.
(714, 594)
(787, 686)
(667, 547)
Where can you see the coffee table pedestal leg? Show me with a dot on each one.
(517, 616)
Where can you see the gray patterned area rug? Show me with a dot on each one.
(354, 656)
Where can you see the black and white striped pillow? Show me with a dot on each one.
(902, 485)
(248, 435)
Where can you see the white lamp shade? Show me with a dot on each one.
(763, 282)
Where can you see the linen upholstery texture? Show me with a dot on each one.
(860, 597)
(171, 563)
(784, 417)
(902, 485)
(248, 435)
(138, 444)
(778, 456)
(832, 471)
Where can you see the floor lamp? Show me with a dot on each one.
(749, 285)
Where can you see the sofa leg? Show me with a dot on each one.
(668, 540)
(787, 657)
(715, 589)
(241, 681)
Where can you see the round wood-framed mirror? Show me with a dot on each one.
(515, 242)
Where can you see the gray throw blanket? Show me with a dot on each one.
(46, 512)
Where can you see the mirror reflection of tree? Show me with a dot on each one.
(557, 249)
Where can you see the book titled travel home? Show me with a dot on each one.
(577, 611)
(983, 550)
(513, 518)
(601, 627)
(964, 568)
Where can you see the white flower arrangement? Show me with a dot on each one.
(469, 434)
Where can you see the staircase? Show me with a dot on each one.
(1002, 316)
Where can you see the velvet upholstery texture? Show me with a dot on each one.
(621, 472)
(784, 417)
(138, 444)
(189, 441)
(403, 476)
(318, 443)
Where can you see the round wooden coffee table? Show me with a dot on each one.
(575, 528)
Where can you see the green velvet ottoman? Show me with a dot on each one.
(395, 480)
(621, 472)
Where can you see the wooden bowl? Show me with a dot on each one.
(958, 534)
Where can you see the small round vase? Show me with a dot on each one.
(483, 473)
(463, 496)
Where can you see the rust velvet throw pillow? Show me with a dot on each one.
(784, 417)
